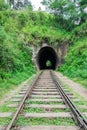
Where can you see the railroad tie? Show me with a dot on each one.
(46, 100)
(5, 114)
(22, 92)
(46, 96)
(48, 115)
(49, 128)
(45, 93)
(16, 99)
(46, 106)
(40, 90)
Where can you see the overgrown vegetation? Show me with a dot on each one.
(15, 54)
(76, 62)
(70, 13)
(75, 65)
(20, 29)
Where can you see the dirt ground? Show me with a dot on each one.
(75, 86)
(12, 92)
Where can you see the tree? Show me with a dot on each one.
(27, 3)
(20, 4)
(65, 11)
(11, 2)
(3, 5)
(82, 7)
(69, 13)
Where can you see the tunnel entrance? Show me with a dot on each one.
(47, 58)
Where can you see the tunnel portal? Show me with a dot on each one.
(47, 58)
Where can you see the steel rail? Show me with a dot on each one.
(22, 103)
(77, 116)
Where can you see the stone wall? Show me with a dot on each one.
(61, 51)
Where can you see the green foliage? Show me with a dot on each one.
(79, 32)
(48, 63)
(14, 54)
(18, 31)
(76, 61)
(3, 6)
(21, 29)
(65, 12)
(38, 27)
(69, 13)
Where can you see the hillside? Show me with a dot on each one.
(19, 30)
(75, 65)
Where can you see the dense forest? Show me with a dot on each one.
(20, 28)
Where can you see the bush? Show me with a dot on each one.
(76, 60)
(3, 6)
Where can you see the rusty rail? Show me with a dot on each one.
(22, 103)
(77, 116)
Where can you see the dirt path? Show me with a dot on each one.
(75, 86)
(12, 92)
(9, 95)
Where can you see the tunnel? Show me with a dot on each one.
(47, 58)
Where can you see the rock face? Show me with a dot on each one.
(60, 51)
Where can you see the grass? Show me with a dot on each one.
(61, 110)
(39, 102)
(43, 121)
(75, 66)
(5, 108)
(5, 121)
(43, 110)
(83, 82)
(82, 109)
(12, 82)
(81, 102)
(34, 110)
(42, 97)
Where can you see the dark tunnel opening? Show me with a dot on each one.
(47, 58)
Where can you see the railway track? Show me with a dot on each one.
(51, 102)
